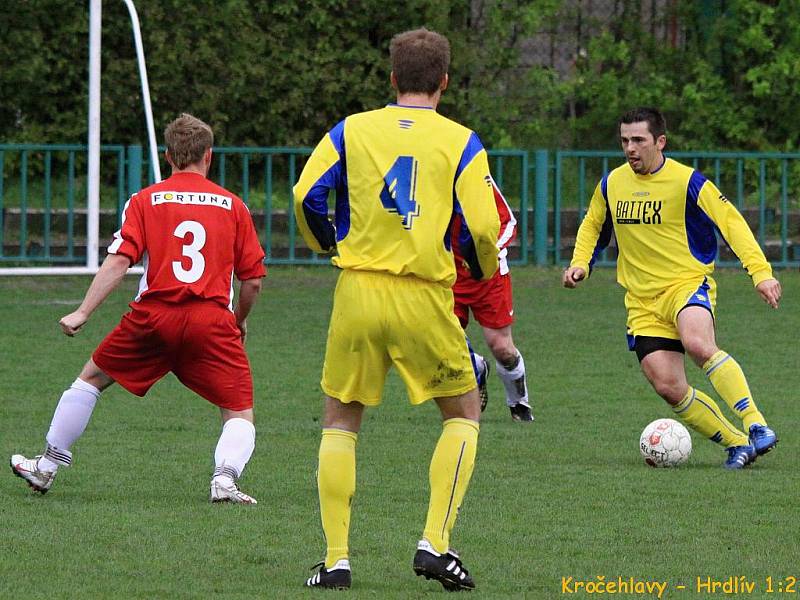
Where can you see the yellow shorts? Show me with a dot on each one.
(658, 316)
(379, 320)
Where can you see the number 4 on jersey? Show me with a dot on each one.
(397, 195)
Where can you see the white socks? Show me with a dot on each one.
(69, 421)
(514, 382)
(235, 447)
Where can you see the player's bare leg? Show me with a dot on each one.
(450, 473)
(336, 480)
(69, 422)
(234, 449)
(665, 371)
(511, 370)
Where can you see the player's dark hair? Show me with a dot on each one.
(187, 139)
(656, 124)
(420, 59)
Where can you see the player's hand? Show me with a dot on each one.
(572, 276)
(770, 292)
(242, 325)
(72, 323)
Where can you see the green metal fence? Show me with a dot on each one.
(43, 198)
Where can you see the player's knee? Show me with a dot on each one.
(503, 349)
(699, 349)
(465, 406)
(671, 390)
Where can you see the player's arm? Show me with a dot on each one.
(248, 266)
(126, 249)
(321, 174)
(475, 197)
(594, 234)
(107, 279)
(740, 238)
(248, 293)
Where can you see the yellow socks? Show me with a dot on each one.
(450, 472)
(703, 415)
(728, 379)
(336, 480)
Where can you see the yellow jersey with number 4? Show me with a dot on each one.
(666, 225)
(399, 175)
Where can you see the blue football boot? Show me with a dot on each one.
(740, 456)
(762, 438)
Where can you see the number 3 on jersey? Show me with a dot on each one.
(399, 186)
(191, 251)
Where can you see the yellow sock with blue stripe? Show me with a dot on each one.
(703, 415)
(728, 379)
(336, 480)
(450, 472)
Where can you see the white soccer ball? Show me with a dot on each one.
(665, 443)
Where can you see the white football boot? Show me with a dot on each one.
(28, 469)
(224, 488)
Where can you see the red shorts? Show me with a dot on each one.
(491, 301)
(198, 341)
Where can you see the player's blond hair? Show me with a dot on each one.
(420, 59)
(187, 139)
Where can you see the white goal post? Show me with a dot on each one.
(93, 145)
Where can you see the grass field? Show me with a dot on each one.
(565, 497)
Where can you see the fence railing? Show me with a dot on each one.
(43, 198)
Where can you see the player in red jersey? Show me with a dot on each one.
(193, 237)
(492, 304)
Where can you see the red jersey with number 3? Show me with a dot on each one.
(193, 237)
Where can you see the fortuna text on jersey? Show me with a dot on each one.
(197, 198)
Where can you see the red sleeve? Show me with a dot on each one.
(508, 224)
(129, 240)
(249, 255)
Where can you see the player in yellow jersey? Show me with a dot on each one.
(400, 174)
(664, 216)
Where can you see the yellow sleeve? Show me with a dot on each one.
(594, 234)
(321, 174)
(475, 194)
(734, 229)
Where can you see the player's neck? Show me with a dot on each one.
(196, 169)
(419, 100)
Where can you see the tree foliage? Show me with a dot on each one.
(281, 72)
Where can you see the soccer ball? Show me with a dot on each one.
(665, 443)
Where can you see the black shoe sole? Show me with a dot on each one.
(33, 487)
(447, 584)
(768, 450)
(328, 587)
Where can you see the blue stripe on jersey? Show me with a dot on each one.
(316, 199)
(699, 228)
(466, 244)
(342, 210)
(337, 137)
(604, 187)
(342, 191)
(608, 226)
(471, 150)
